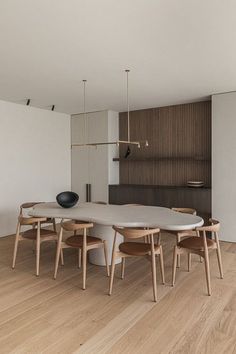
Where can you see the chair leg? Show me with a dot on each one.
(162, 265)
(16, 245)
(113, 264)
(123, 268)
(112, 274)
(54, 225)
(33, 247)
(200, 258)
(106, 257)
(154, 276)
(189, 262)
(58, 253)
(178, 256)
(84, 262)
(159, 239)
(79, 258)
(62, 257)
(37, 251)
(218, 252)
(175, 254)
(207, 269)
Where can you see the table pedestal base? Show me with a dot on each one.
(96, 256)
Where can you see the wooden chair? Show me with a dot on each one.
(36, 234)
(200, 245)
(83, 242)
(136, 249)
(79, 250)
(29, 205)
(146, 238)
(180, 234)
(48, 221)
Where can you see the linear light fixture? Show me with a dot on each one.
(117, 142)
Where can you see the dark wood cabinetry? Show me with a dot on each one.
(166, 196)
(179, 151)
(179, 145)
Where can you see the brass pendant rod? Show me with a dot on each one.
(137, 143)
(118, 142)
(84, 109)
(127, 87)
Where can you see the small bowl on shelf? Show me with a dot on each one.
(195, 184)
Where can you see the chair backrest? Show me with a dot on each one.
(185, 210)
(29, 205)
(73, 225)
(214, 227)
(30, 220)
(130, 232)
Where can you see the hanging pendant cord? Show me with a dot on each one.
(85, 125)
(128, 121)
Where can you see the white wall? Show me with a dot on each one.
(224, 163)
(90, 164)
(34, 158)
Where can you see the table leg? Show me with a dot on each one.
(96, 256)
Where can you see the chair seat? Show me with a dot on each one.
(77, 241)
(196, 243)
(31, 234)
(136, 248)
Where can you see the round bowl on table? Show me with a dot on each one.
(67, 199)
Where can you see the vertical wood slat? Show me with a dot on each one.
(172, 131)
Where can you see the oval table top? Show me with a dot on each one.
(121, 215)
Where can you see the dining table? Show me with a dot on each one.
(104, 217)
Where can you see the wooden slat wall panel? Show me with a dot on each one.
(173, 131)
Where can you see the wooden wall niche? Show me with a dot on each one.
(179, 145)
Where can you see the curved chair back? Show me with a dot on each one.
(185, 210)
(30, 220)
(129, 232)
(29, 205)
(76, 225)
(214, 227)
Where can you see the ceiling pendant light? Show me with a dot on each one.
(118, 142)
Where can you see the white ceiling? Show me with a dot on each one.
(178, 51)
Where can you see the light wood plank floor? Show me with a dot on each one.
(42, 315)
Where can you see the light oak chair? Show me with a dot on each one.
(201, 246)
(30, 205)
(35, 234)
(137, 249)
(146, 238)
(180, 234)
(83, 242)
(75, 233)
